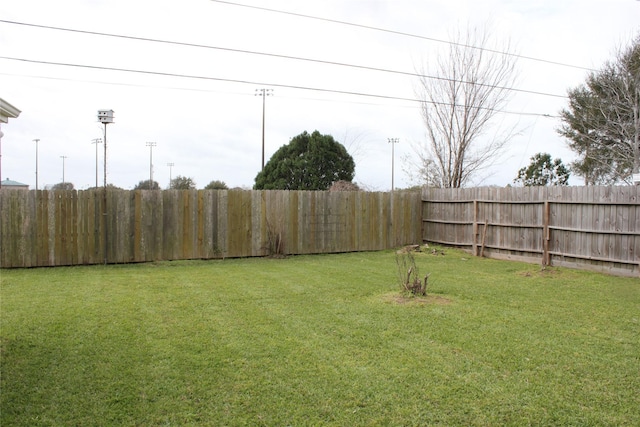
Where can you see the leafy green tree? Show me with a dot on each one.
(147, 185)
(602, 121)
(216, 185)
(182, 183)
(63, 186)
(543, 171)
(309, 162)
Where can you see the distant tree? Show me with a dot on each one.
(344, 186)
(543, 171)
(182, 183)
(411, 189)
(216, 185)
(602, 121)
(109, 186)
(63, 186)
(147, 185)
(309, 162)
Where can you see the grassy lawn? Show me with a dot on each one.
(318, 340)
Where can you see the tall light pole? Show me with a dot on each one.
(36, 141)
(151, 145)
(263, 93)
(393, 142)
(96, 142)
(171, 165)
(105, 117)
(63, 157)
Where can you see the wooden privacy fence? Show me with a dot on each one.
(586, 227)
(50, 228)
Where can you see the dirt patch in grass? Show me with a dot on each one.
(543, 272)
(399, 299)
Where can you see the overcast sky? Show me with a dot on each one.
(210, 127)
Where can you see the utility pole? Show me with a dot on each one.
(263, 93)
(36, 141)
(63, 157)
(151, 145)
(97, 141)
(171, 165)
(393, 142)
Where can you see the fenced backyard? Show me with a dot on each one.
(587, 227)
(319, 339)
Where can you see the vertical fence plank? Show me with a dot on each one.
(41, 242)
(188, 212)
(311, 223)
(238, 222)
(223, 229)
(172, 231)
(199, 224)
(258, 222)
(292, 221)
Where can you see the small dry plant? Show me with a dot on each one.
(274, 244)
(409, 275)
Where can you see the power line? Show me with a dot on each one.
(275, 55)
(255, 83)
(189, 89)
(401, 33)
(221, 79)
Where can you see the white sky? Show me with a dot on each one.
(211, 129)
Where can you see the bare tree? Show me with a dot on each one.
(355, 144)
(468, 88)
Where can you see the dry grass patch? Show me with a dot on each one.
(400, 299)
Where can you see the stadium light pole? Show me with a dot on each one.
(63, 181)
(393, 142)
(105, 117)
(151, 145)
(36, 141)
(263, 93)
(171, 165)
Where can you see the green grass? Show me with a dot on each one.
(318, 340)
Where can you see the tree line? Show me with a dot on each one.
(177, 183)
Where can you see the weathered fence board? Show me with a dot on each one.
(586, 227)
(49, 228)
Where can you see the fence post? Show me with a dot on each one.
(475, 228)
(545, 235)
